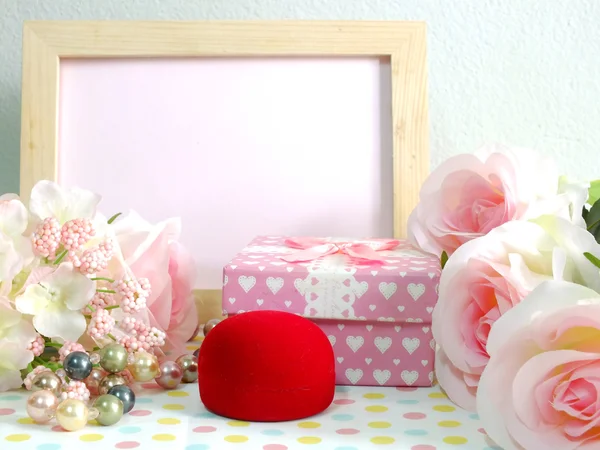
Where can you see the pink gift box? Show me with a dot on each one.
(377, 315)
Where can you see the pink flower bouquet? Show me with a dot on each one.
(516, 324)
(72, 279)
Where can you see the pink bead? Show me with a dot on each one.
(37, 346)
(101, 324)
(75, 389)
(28, 381)
(170, 375)
(41, 406)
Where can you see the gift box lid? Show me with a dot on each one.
(400, 287)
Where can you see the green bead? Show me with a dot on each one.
(114, 358)
(110, 409)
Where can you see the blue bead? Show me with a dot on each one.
(78, 365)
(125, 394)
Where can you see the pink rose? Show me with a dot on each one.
(153, 252)
(469, 195)
(541, 387)
(488, 276)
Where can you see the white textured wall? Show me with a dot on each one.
(523, 72)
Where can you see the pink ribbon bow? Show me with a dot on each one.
(314, 248)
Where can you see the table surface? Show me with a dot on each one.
(360, 418)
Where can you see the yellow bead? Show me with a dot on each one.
(144, 367)
(72, 414)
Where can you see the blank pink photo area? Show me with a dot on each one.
(234, 147)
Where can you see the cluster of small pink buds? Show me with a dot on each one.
(132, 326)
(102, 300)
(69, 347)
(46, 237)
(154, 337)
(131, 344)
(133, 294)
(28, 381)
(75, 389)
(101, 324)
(107, 248)
(92, 261)
(76, 232)
(37, 346)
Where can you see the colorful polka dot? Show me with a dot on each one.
(129, 430)
(444, 408)
(17, 437)
(379, 424)
(423, 447)
(169, 421)
(26, 420)
(143, 400)
(437, 395)
(310, 440)
(455, 440)
(343, 401)
(414, 416)
(274, 447)
(178, 394)
(204, 429)
(345, 448)
(342, 389)
(376, 408)
(272, 432)
(474, 416)
(238, 423)
(407, 402)
(406, 389)
(309, 425)
(11, 398)
(383, 440)
(236, 438)
(416, 432)
(91, 437)
(6, 411)
(373, 395)
(197, 447)
(173, 406)
(206, 415)
(449, 424)
(140, 412)
(151, 386)
(347, 431)
(58, 428)
(342, 417)
(163, 437)
(127, 444)
(48, 447)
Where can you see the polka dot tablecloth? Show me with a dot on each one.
(360, 418)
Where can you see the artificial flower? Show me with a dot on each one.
(15, 336)
(541, 386)
(15, 248)
(488, 276)
(469, 195)
(56, 301)
(153, 252)
(49, 199)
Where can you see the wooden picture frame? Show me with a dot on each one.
(47, 43)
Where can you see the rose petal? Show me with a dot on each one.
(452, 380)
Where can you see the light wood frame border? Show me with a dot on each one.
(46, 43)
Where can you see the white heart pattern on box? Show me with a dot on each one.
(381, 376)
(354, 375)
(332, 339)
(259, 301)
(287, 303)
(411, 344)
(387, 289)
(274, 284)
(383, 344)
(360, 288)
(225, 280)
(416, 290)
(231, 300)
(246, 283)
(410, 377)
(355, 342)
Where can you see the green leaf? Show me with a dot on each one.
(592, 221)
(444, 258)
(594, 192)
(61, 256)
(113, 218)
(595, 261)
